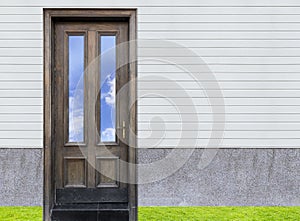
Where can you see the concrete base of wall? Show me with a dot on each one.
(21, 181)
(235, 177)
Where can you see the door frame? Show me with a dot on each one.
(51, 15)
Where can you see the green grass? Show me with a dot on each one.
(21, 213)
(178, 213)
(219, 213)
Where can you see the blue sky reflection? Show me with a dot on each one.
(108, 89)
(107, 84)
(76, 88)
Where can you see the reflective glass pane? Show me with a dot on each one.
(108, 88)
(76, 88)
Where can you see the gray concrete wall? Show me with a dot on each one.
(235, 177)
(21, 181)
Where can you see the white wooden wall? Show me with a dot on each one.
(252, 47)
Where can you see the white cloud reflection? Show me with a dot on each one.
(110, 96)
(108, 135)
(76, 118)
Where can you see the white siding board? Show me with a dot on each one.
(138, 3)
(21, 76)
(8, 26)
(8, 18)
(205, 109)
(233, 97)
(220, 85)
(22, 134)
(225, 143)
(252, 48)
(205, 134)
(234, 100)
(269, 126)
(199, 18)
(16, 85)
(21, 35)
(21, 60)
(217, 10)
(21, 94)
(219, 35)
(21, 143)
(26, 101)
(221, 60)
(13, 109)
(21, 43)
(175, 10)
(21, 52)
(218, 26)
(192, 44)
(228, 117)
(154, 52)
(21, 11)
(165, 68)
(223, 76)
(19, 126)
(20, 117)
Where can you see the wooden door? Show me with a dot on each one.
(87, 142)
(91, 117)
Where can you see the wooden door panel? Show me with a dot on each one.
(110, 166)
(75, 172)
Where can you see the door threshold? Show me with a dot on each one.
(91, 207)
(91, 212)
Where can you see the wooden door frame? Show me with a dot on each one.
(50, 16)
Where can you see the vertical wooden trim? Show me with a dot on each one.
(133, 115)
(47, 181)
(91, 94)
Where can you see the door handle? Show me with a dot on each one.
(123, 129)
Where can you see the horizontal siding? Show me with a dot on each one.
(22, 117)
(228, 9)
(230, 126)
(203, 26)
(217, 52)
(237, 99)
(170, 109)
(25, 101)
(21, 143)
(139, 3)
(21, 94)
(21, 126)
(226, 143)
(246, 118)
(224, 76)
(197, 35)
(201, 135)
(164, 68)
(24, 52)
(251, 47)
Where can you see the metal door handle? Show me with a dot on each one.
(123, 129)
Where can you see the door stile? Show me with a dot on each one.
(59, 102)
(91, 86)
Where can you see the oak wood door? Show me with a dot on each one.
(91, 116)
